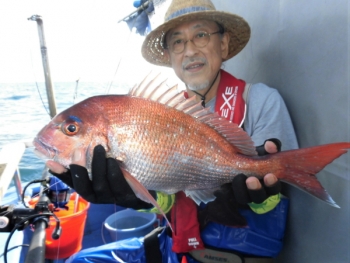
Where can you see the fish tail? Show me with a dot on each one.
(299, 167)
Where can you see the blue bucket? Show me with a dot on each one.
(129, 223)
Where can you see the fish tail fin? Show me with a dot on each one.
(299, 167)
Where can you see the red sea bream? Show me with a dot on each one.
(167, 143)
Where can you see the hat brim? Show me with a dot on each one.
(237, 28)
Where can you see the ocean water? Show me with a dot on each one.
(24, 111)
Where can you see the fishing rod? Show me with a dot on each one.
(12, 219)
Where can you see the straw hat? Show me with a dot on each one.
(181, 11)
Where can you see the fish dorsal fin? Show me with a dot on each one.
(148, 83)
(234, 134)
(156, 89)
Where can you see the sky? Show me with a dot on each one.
(83, 37)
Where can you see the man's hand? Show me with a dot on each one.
(240, 192)
(258, 190)
(108, 185)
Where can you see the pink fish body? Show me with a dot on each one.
(167, 143)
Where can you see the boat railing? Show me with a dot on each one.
(10, 157)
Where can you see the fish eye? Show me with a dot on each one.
(71, 128)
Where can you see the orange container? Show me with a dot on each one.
(72, 224)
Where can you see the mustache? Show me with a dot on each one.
(191, 60)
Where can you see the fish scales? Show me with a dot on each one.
(156, 141)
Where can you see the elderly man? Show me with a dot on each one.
(195, 40)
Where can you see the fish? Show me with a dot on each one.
(169, 143)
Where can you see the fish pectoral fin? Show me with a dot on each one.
(141, 192)
(121, 158)
(199, 196)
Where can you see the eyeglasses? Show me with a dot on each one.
(201, 39)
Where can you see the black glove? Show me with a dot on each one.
(235, 195)
(261, 149)
(223, 210)
(244, 195)
(108, 185)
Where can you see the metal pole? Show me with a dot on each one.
(45, 59)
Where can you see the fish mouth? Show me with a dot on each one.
(42, 149)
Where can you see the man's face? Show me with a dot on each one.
(197, 67)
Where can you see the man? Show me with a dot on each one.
(195, 40)
(173, 44)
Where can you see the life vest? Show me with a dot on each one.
(230, 101)
(231, 98)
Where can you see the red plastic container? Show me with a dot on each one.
(72, 223)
